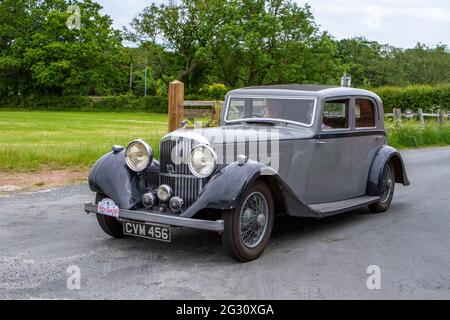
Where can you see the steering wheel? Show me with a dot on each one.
(253, 115)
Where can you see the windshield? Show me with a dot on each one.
(265, 109)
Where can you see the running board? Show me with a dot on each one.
(331, 208)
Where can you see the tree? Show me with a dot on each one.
(363, 60)
(274, 42)
(46, 57)
(237, 42)
(372, 64)
(422, 65)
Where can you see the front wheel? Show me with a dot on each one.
(386, 191)
(109, 225)
(247, 228)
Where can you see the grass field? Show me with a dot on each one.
(31, 141)
(410, 134)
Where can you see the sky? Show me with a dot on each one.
(401, 23)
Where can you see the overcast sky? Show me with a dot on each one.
(402, 23)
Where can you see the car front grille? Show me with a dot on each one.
(185, 187)
(177, 175)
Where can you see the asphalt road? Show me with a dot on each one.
(42, 234)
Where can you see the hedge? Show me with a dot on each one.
(121, 103)
(412, 97)
(429, 98)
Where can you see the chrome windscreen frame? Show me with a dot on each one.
(270, 119)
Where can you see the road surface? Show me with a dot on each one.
(43, 234)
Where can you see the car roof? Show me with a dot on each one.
(303, 90)
(296, 87)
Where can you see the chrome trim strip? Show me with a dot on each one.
(183, 134)
(171, 220)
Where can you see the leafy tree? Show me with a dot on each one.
(371, 64)
(46, 57)
(237, 42)
(420, 65)
(275, 42)
(363, 60)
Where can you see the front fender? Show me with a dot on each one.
(225, 190)
(384, 155)
(111, 176)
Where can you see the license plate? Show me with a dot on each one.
(147, 230)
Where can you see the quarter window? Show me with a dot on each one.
(335, 114)
(364, 114)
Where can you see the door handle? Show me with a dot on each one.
(321, 142)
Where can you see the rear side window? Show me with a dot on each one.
(364, 114)
(335, 114)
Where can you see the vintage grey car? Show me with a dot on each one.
(301, 150)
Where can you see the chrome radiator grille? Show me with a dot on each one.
(179, 148)
(186, 187)
(177, 175)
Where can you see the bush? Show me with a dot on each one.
(121, 103)
(214, 91)
(414, 97)
(411, 135)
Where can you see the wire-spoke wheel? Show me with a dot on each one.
(387, 187)
(249, 226)
(254, 216)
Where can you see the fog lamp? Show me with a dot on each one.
(175, 204)
(164, 192)
(149, 200)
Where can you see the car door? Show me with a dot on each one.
(368, 137)
(331, 169)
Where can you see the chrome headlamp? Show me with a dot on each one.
(202, 161)
(138, 155)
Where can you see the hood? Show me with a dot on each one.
(241, 133)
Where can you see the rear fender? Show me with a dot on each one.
(385, 155)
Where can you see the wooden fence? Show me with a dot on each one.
(179, 109)
(420, 115)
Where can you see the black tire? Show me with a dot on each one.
(385, 201)
(231, 236)
(109, 225)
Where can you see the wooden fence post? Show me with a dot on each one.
(421, 118)
(176, 104)
(398, 114)
(397, 117)
(217, 110)
(441, 117)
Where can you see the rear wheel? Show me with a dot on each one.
(386, 191)
(109, 225)
(248, 228)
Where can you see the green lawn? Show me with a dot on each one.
(31, 140)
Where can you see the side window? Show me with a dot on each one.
(335, 114)
(364, 114)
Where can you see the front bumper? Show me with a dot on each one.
(167, 219)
